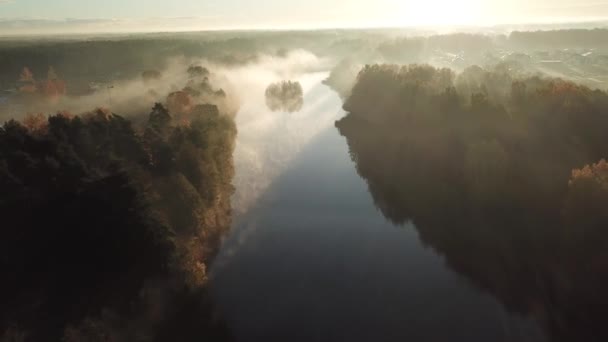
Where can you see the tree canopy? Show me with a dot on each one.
(503, 175)
(95, 208)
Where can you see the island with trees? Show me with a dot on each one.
(286, 96)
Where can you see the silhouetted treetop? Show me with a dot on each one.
(197, 71)
(96, 208)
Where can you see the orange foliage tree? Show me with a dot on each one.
(180, 102)
(52, 88)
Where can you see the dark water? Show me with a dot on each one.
(313, 259)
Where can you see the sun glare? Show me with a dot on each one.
(440, 12)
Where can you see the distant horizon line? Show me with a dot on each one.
(602, 23)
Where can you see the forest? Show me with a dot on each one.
(125, 56)
(517, 168)
(119, 170)
(127, 215)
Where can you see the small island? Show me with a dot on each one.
(286, 96)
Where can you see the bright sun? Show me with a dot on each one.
(440, 12)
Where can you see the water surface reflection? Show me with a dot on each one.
(542, 259)
(315, 260)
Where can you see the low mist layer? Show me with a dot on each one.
(122, 169)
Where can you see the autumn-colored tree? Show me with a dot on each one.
(596, 174)
(54, 87)
(180, 102)
(52, 74)
(586, 206)
(27, 84)
(26, 75)
(37, 123)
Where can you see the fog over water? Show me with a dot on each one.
(338, 264)
(326, 185)
(267, 140)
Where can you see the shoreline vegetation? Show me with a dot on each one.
(497, 153)
(114, 224)
(505, 175)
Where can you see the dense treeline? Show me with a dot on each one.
(122, 59)
(503, 175)
(421, 49)
(108, 228)
(125, 57)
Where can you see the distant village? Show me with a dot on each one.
(584, 66)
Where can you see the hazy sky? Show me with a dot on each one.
(210, 14)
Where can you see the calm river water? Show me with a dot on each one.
(310, 257)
